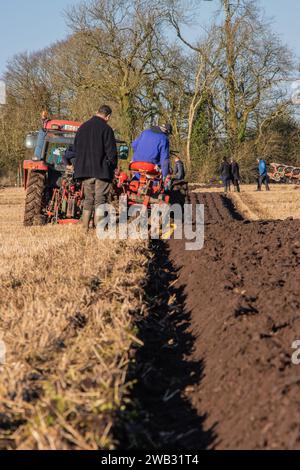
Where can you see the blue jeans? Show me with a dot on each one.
(263, 179)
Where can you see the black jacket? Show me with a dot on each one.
(96, 150)
(69, 156)
(235, 171)
(179, 173)
(225, 170)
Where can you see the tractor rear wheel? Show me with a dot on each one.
(34, 199)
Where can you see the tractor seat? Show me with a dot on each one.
(144, 167)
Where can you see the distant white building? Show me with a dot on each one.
(2, 92)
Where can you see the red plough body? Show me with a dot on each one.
(66, 202)
(145, 185)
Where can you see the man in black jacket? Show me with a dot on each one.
(225, 173)
(235, 174)
(96, 160)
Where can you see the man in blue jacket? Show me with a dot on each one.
(263, 174)
(152, 146)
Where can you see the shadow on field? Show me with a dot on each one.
(159, 415)
(232, 209)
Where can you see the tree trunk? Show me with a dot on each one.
(230, 59)
(196, 100)
(127, 113)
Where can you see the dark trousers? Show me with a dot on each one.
(263, 179)
(226, 182)
(96, 193)
(236, 184)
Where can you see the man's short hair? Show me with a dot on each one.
(105, 110)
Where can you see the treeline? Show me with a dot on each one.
(225, 94)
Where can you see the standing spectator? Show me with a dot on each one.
(225, 172)
(179, 171)
(96, 160)
(263, 174)
(235, 174)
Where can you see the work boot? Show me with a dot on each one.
(98, 218)
(86, 217)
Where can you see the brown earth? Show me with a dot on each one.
(243, 294)
(215, 371)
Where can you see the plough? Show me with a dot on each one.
(281, 173)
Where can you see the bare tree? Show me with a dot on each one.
(126, 35)
(250, 67)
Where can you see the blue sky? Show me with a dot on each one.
(28, 25)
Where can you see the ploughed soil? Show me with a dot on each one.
(216, 371)
(243, 294)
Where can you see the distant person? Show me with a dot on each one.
(235, 174)
(225, 173)
(179, 171)
(153, 146)
(263, 174)
(69, 156)
(96, 160)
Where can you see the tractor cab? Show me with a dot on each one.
(49, 145)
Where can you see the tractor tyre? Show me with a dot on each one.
(179, 193)
(184, 191)
(35, 199)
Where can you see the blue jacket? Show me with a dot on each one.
(262, 168)
(153, 146)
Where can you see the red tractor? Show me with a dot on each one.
(52, 194)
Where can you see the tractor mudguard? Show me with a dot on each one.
(30, 165)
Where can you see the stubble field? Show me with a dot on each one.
(67, 304)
